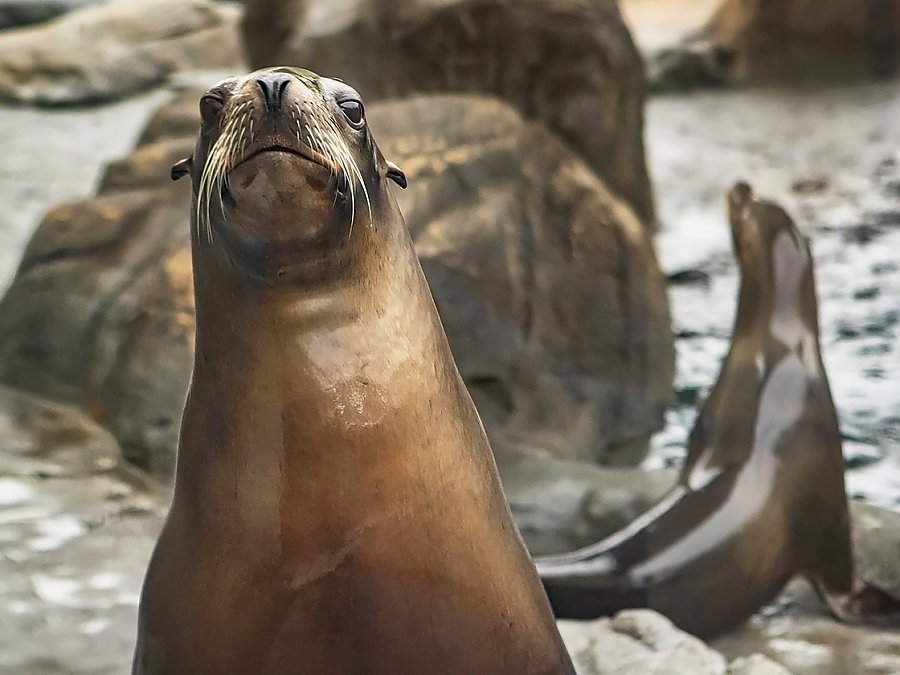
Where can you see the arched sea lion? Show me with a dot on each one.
(761, 496)
(336, 507)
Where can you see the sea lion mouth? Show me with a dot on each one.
(303, 152)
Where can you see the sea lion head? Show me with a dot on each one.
(284, 169)
(777, 285)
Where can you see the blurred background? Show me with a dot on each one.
(568, 161)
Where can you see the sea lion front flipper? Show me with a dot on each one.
(864, 603)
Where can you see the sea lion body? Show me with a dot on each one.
(336, 508)
(760, 497)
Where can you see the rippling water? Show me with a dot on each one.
(831, 156)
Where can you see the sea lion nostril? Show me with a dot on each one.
(264, 88)
(273, 86)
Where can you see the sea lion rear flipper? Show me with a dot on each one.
(864, 603)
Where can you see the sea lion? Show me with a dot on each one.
(760, 497)
(336, 507)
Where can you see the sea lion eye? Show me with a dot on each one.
(210, 107)
(353, 111)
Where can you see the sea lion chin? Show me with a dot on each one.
(336, 508)
(760, 497)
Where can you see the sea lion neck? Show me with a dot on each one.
(777, 308)
(377, 269)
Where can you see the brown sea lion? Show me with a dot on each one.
(760, 497)
(336, 508)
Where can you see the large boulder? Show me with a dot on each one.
(547, 284)
(806, 38)
(570, 64)
(113, 50)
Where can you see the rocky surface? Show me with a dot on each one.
(113, 50)
(565, 346)
(569, 64)
(804, 38)
(642, 641)
(78, 527)
(708, 43)
(546, 283)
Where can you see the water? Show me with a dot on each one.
(52, 156)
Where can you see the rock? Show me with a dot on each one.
(113, 50)
(43, 440)
(693, 64)
(637, 641)
(113, 256)
(157, 349)
(548, 287)
(876, 537)
(569, 64)
(804, 38)
(16, 13)
(547, 284)
(756, 664)
(561, 505)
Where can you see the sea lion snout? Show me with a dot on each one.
(273, 86)
(283, 172)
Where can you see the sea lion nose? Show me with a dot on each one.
(273, 86)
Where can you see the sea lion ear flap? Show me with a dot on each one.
(182, 168)
(395, 173)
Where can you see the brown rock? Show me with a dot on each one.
(567, 63)
(143, 397)
(87, 279)
(809, 37)
(547, 284)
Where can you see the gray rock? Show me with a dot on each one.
(116, 49)
(638, 641)
(16, 13)
(756, 664)
(568, 64)
(565, 347)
